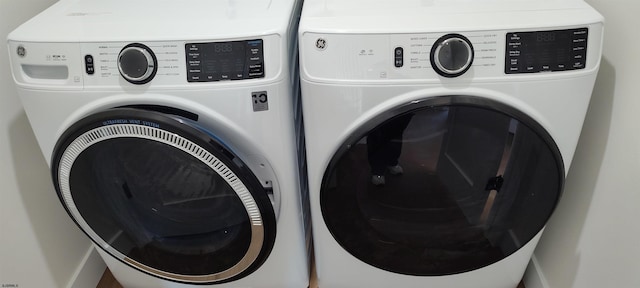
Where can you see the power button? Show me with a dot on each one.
(398, 57)
(89, 66)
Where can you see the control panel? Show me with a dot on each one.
(143, 64)
(217, 61)
(540, 51)
(401, 56)
(440, 56)
(137, 63)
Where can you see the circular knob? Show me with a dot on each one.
(452, 55)
(137, 63)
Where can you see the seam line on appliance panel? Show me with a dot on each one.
(403, 82)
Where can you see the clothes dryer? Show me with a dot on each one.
(439, 134)
(169, 129)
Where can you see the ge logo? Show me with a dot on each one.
(321, 44)
(21, 51)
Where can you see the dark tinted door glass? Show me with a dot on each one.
(160, 206)
(442, 189)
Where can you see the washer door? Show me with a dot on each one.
(163, 195)
(441, 186)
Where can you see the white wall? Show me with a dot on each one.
(593, 239)
(39, 244)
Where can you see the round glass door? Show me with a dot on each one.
(163, 195)
(443, 186)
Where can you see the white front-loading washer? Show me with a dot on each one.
(169, 129)
(439, 134)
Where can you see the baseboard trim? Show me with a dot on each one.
(534, 277)
(89, 271)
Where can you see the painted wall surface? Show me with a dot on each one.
(39, 244)
(593, 239)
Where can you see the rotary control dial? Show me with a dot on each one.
(452, 55)
(137, 63)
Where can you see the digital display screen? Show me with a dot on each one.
(217, 61)
(556, 50)
(546, 36)
(223, 59)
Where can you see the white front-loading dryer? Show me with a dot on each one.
(169, 128)
(439, 134)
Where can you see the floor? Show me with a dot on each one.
(108, 281)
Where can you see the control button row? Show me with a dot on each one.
(215, 77)
(514, 65)
(579, 48)
(528, 63)
(515, 68)
(254, 70)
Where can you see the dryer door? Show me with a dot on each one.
(164, 196)
(442, 186)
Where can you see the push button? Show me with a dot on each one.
(398, 55)
(256, 69)
(89, 66)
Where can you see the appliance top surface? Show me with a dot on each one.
(406, 16)
(155, 20)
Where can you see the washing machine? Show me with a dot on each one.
(169, 128)
(439, 134)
